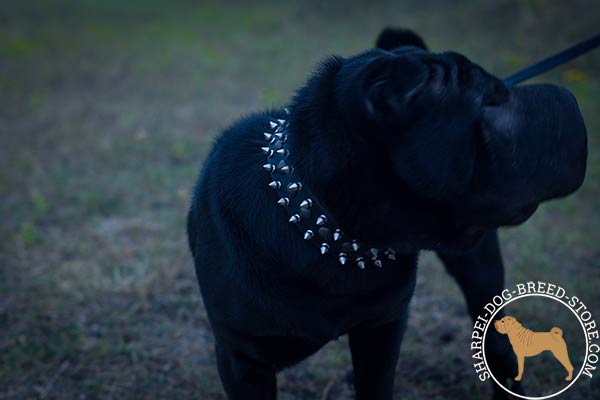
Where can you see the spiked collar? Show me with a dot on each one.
(306, 212)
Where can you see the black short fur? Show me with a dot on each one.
(375, 142)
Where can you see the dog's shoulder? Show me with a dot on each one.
(230, 191)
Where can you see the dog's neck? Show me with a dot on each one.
(314, 221)
(519, 333)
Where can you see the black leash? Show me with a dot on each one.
(553, 61)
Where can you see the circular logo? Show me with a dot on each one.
(552, 335)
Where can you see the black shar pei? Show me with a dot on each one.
(306, 222)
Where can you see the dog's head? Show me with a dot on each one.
(442, 150)
(506, 324)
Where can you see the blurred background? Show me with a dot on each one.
(107, 110)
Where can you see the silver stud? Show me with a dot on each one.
(322, 220)
(282, 152)
(272, 124)
(286, 169)
(279, 135)
(265, 150)
(355, 245)
(294, 219)
(309, 235)
(284, 201)
(378, 263)
(277, 145)
(275, 185)
(360, 262)
(324, 248)
(269, 167)
(343, 257)
(306, 203)
(374, 252)
(337, 235)
(287, 111)
(293, 188)
(268, 136)
(281, 121)
(391, 254)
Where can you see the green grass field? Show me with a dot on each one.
(107, 110)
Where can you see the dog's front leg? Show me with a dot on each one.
(244, 378)
(374, 357)
(480, 275)
(521, 364)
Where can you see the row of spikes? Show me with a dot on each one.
(276, 140)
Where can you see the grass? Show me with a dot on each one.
(106, 113)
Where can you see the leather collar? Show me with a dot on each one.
(305, 211)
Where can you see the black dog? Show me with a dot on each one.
(378, 156)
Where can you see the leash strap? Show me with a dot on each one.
(553, 61)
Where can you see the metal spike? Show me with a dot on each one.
(272, 124)
(281, 165)
(282, 152)
(322, 220)
(337, 235)
(277, 145)
(293, 188)
(324, 248)
(343, 257)
(374, 252)
(286, 169)
(294, 219)
(378, 263)
(265, 150)
(275, 185)
(284, 201)
(287, 111)
(281, 121)
(309, 235)
(391, 254)
(268, 136)
(279, 135)
(269, 167)
(306, 203)
(355, 245)
(360, 262)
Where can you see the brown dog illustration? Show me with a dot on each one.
(526, 343)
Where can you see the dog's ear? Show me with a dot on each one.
(391, 38)
(389, 85)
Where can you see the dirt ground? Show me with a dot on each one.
(107, 110)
